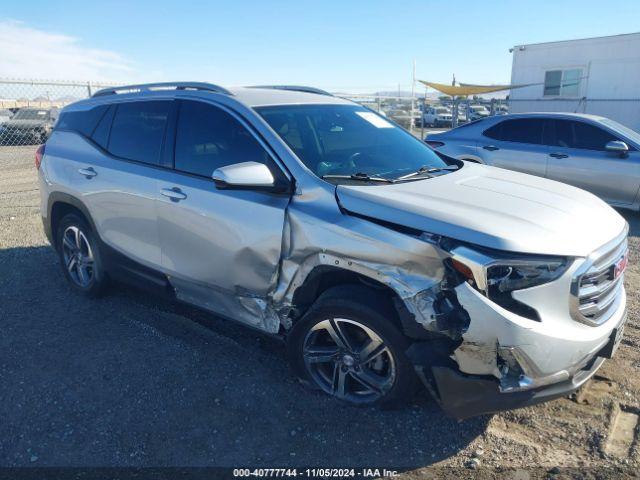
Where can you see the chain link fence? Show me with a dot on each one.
(29, 109)
(420, 114)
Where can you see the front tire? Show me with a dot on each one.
(80, 257)
(347, 346)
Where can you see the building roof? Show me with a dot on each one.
(606, 37)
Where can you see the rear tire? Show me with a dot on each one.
(80, 258)
(347, 346)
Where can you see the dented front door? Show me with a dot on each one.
(220, 247)
(224, 239)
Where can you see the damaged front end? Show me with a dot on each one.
(493, 350)
(490, 330)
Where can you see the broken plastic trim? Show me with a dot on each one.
(519, 373)
(435, 310)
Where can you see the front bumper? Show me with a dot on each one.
(462, 396)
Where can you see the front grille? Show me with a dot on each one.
(596, 288)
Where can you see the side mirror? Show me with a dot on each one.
(616, 146)
(244, 175)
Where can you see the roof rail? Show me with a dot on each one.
(210, 87)
(294, 88)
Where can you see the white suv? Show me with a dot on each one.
(306, 215)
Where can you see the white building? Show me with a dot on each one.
(592, 75)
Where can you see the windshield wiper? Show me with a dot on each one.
(361, 177)
(426, 171)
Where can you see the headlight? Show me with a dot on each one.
(496, 276)
(503, 278)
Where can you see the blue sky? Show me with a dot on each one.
(338, 45)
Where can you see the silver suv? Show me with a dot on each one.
(586, 151)
(302, 214)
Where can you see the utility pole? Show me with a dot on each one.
(424, 109)
(413, 95)
(454, 111)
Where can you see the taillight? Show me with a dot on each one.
(39, 155)
(434, 144)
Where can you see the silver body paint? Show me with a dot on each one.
(613, 177)
(244, 254)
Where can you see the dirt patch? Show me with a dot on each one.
(622, 433)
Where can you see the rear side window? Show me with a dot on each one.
(82, 122)
(209, 138)
(137, 131)
(571, 134)
(520, 130)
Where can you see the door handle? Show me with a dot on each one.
(87, 172)
(491, 148)
(558, 155)
(175, 194)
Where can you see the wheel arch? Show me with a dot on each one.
(61, 204)
(326, 277)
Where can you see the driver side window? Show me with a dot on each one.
(208, 138)
(571, 134)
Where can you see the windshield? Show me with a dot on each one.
(349, 140)
(27, 114)
(442, 110)
(478, 109)
(626, 131)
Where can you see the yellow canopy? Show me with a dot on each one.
(467, 89)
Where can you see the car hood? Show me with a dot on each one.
(494, 208)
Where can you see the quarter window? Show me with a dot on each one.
(209, 138)
(562, 83)
(137, 132)
(82, 122)
(521, 130)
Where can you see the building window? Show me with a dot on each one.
(562, 83)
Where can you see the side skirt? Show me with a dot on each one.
(122, 269)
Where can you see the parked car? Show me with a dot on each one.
(477, 112)
(437, 116)
(501, 110)
(305, 215)
(587, 151)
(5, 115)
(402, 117)
(28, 126)
(462, 115)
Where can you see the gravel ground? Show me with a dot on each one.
(130, 380)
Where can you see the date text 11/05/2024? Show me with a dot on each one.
(315, 472)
